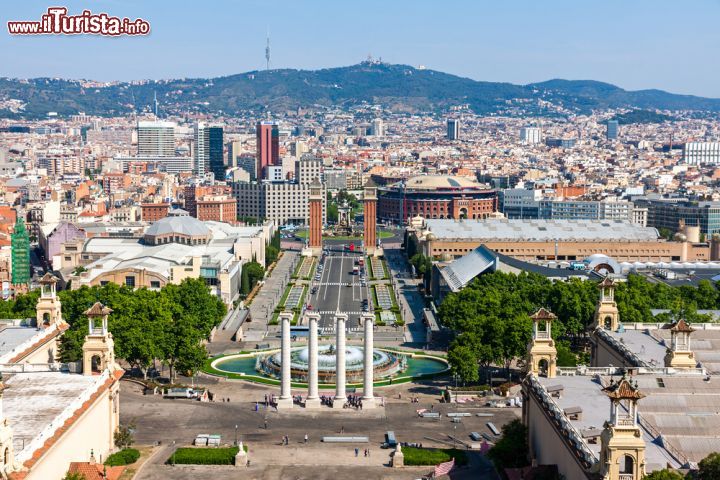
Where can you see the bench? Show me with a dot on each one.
(591, 434)
(475, 436)
(574, 413)
(430, 414)
(493, 428)
(555, 390)
(459, 414)
(338, 439)
(262, 346)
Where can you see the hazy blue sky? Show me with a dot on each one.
(636, 44)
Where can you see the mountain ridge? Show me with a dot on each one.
(401, 88)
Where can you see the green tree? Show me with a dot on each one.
(511, 451)
(271, 254)
(463, 362)
(255, 273)
(709, 467)
(123, 436)
(244, 282)
(664, 474)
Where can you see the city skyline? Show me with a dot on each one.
(626, 45)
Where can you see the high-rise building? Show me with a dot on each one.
(530, 135)
(215, 152)
(613, 130)
(377, 129)
(209, 150)
(234, 151)
(20, 242)
(268, 146)
(701, 153)
(202, 148)
(453, 129)
(156, 139)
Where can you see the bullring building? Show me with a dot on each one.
(436, 196)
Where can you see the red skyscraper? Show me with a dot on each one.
(268, 147)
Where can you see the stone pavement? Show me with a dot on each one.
(179, 421)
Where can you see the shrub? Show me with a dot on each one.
(123, 457)
(204, 456)
(432, 456)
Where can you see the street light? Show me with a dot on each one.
(236, 434)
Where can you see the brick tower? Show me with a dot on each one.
(370, 231)
(316, 217)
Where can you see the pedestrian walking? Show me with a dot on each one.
(357, 451)
(265, 424)
(306, 438)
(342, 429)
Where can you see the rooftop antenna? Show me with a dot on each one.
(267, 51)
(155, 104)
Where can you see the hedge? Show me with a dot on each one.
(204, 456)
(413, 456)
(123, 457)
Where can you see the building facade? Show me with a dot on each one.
(268, 147)
(435, 196)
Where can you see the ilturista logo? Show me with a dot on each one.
(56, 21)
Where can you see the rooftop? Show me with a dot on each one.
(12, 337)
(435, 182)
(37, 404)
(586, 392)
(493, 229)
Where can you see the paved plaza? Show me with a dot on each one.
(179, 421)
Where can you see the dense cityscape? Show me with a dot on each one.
(377, 271)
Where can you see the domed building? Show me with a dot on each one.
(435, 196)
(178, 227)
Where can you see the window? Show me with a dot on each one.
(154, 284)
(103, 283)
(130, 281)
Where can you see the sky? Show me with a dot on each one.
(635, 44)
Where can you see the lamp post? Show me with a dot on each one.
(236, 435)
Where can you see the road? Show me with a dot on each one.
(338, 290)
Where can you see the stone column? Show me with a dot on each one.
(340, 395)
(285, 400)
(313, 399)
(368, 399)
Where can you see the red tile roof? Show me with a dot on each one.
(96, 471)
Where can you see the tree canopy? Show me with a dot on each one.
(490, 316)
(169, 325)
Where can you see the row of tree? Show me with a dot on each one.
(491, 316)
(169, 325)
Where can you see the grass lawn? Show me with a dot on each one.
(432, 456)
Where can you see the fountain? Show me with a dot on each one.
(385, 364)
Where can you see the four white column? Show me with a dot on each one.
(285, 400)
(368, 399)
(313, 400)
(340, 395)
